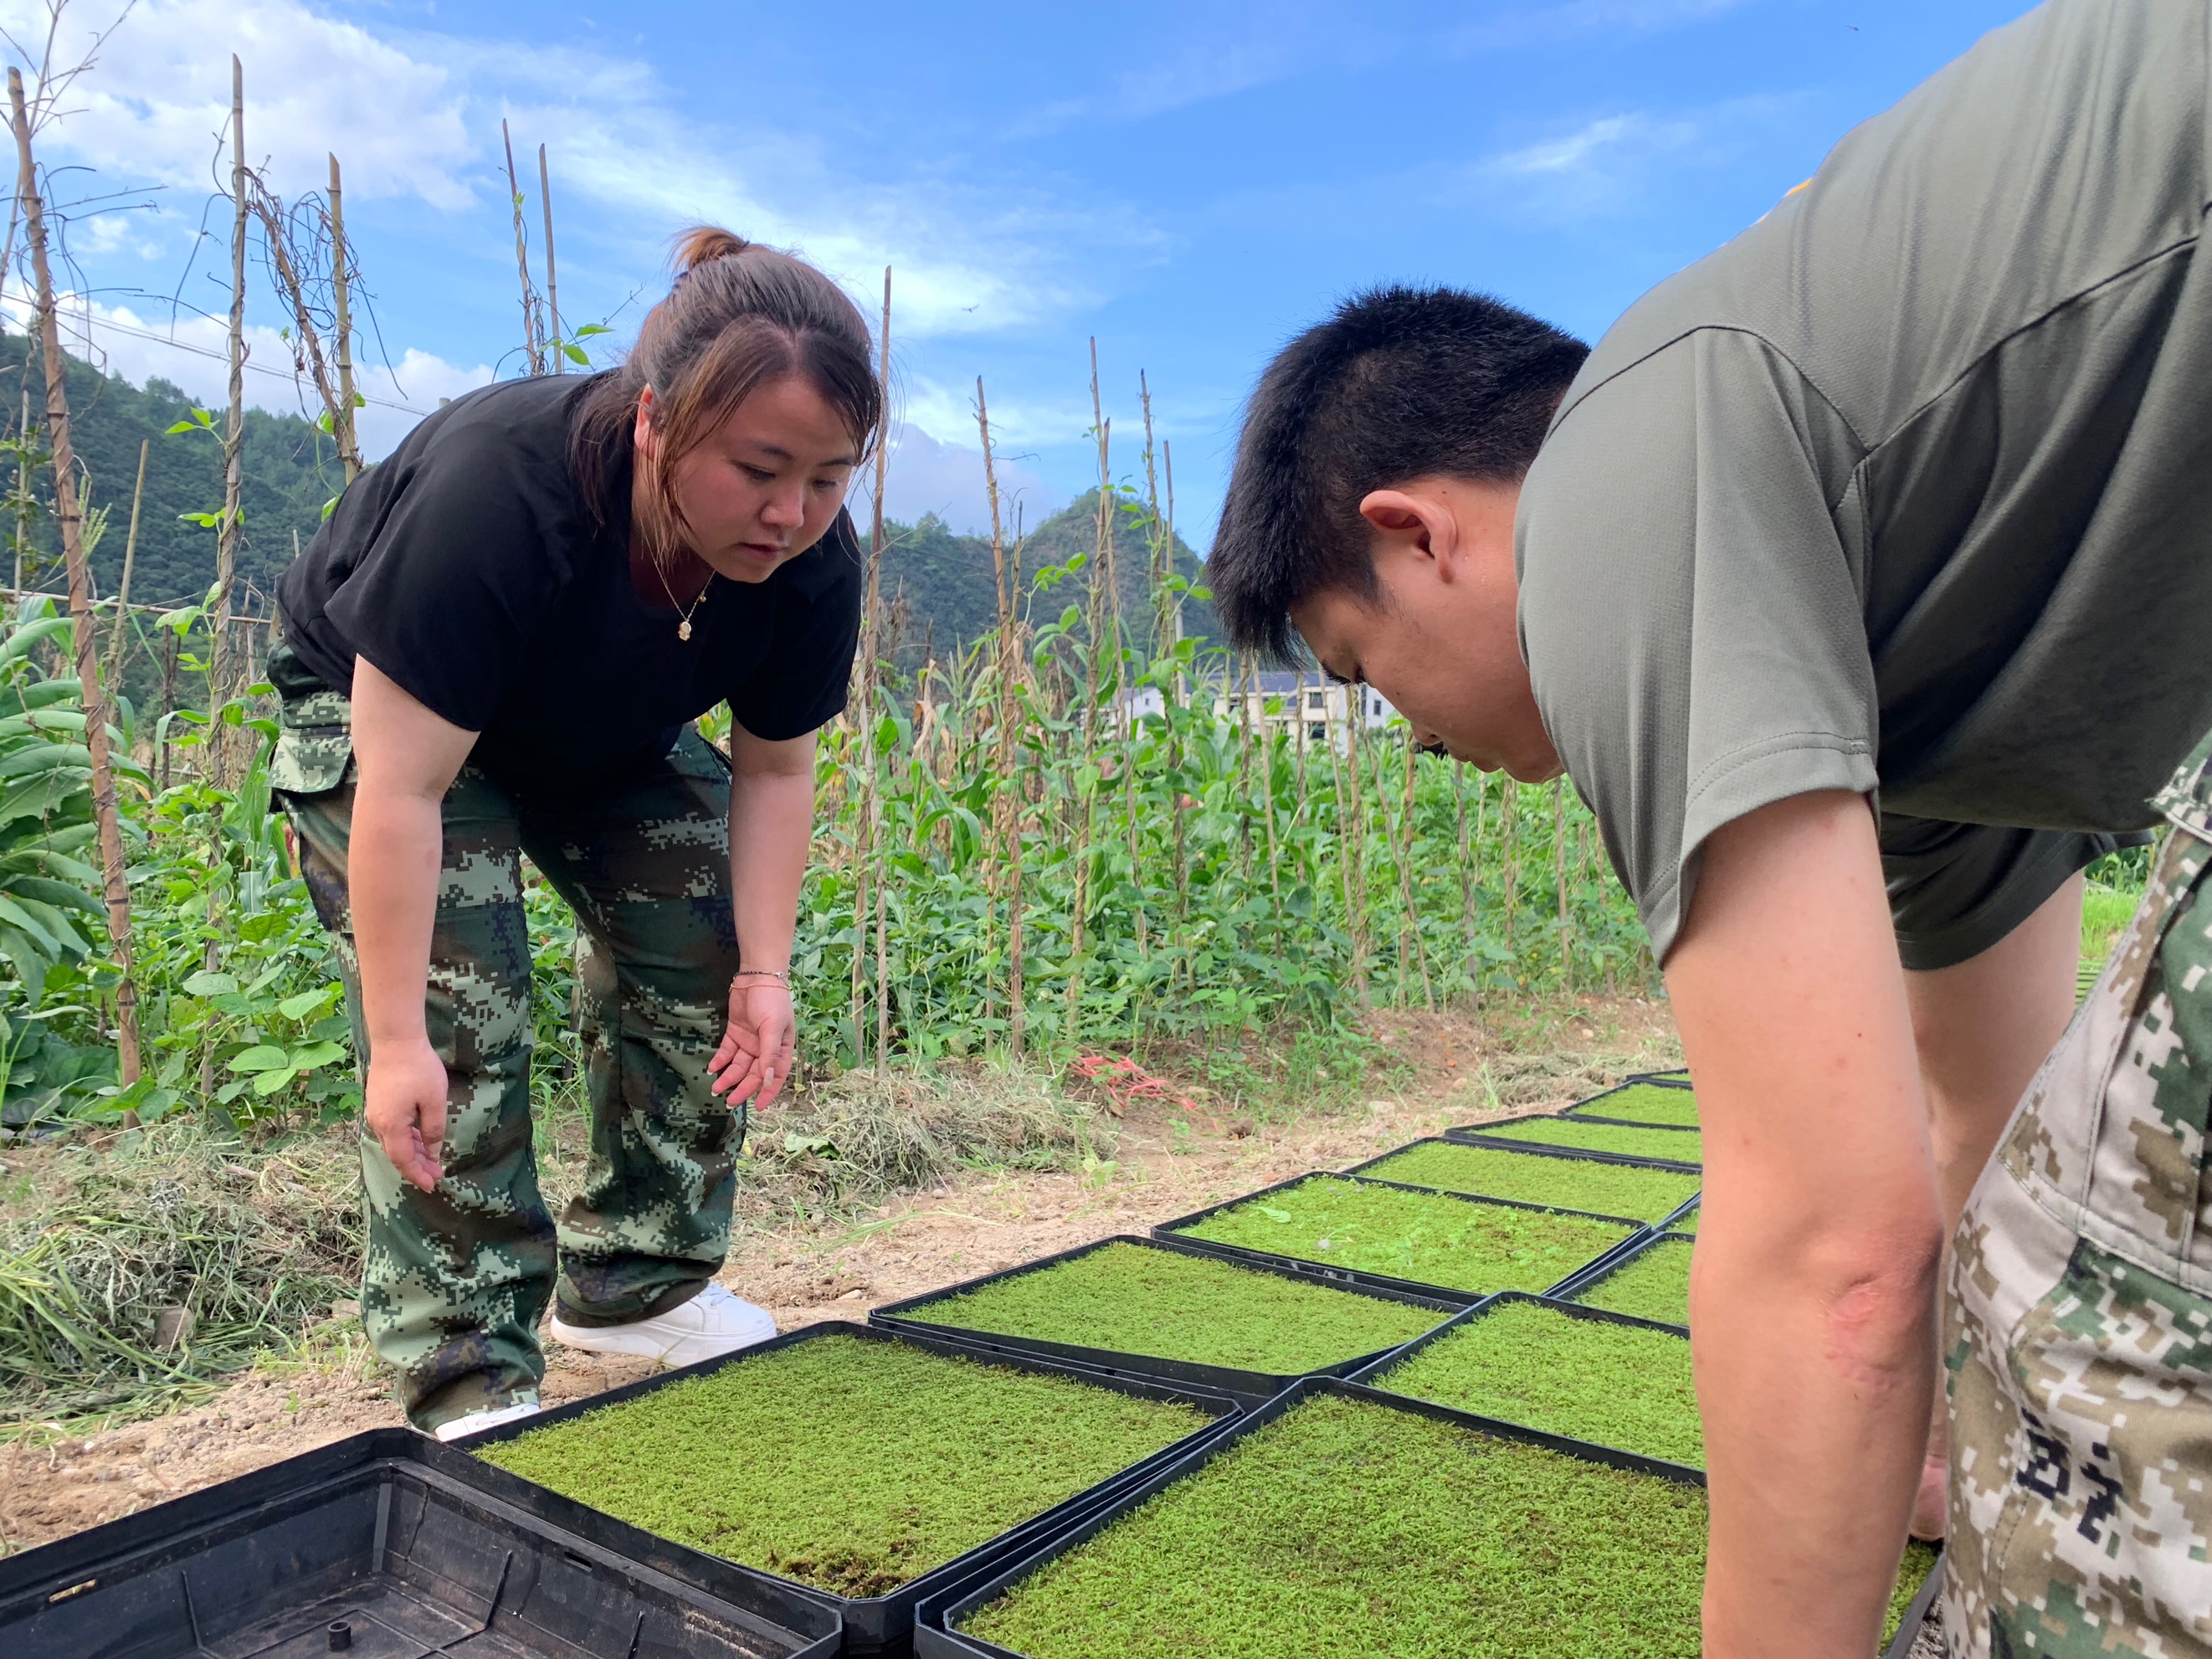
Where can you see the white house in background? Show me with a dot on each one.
(1308, 707)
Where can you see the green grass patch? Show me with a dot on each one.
(1172, 1306)
(1343, 1530)
(1655, 1285)
(1431, 1239)
(1646, 1102)
(1586, 1137)
(1574, 1183)
(1619, 1385)
(849, 1465)
(1920, 1560)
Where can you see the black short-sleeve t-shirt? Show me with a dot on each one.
(468, 568)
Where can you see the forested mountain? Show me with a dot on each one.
(940, 585)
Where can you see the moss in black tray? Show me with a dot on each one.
(1619, 1385)
(1573, 1183)
(1344, 1530)
(1173, 1306)
(1920, 1560)
(1588, 1137)
(1655, 1285)
(849, 1465)
(1433, 1239)
(1646, 1102)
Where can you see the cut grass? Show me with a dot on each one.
(1646, 1102)
(1430, 1239)
(1588, 1137)
(849, 1465)
(1573, 1183)
(1345, 1530)
(1619, 1385)
(1171, 1306)
(1655, 1285)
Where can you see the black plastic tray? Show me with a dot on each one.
(1359, 1277)
(1916, 1615)
(935, 1639)
(878, 1623)
(1481, 1134)
(1250, 1388)
(1606, 1265)
(388, 1534)
(1528, 1150)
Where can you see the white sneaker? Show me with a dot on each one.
(712, 1322)
(489, 1417)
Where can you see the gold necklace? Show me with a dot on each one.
(683, 627)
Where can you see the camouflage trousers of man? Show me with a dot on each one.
(2078, 1326)
(457, 1279)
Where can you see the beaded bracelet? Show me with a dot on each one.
(778, 976)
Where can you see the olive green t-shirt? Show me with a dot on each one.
(1907, 490)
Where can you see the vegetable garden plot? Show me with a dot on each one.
(1651, 1105)
(1407, 1239)
(1565, 1370)
(1684, 1148)
(387, 1547)
(1346, 1525)
(1165, 1308)
(1651, 1282)
(1562, 1180)
(866, 1466)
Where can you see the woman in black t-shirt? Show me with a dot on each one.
(496, 646)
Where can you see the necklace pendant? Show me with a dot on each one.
(684, 629)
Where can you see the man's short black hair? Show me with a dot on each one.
(1400, 384)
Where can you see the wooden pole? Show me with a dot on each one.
(340, 295)
(114, 877)
(529, 344)
(867, 824)
(220, 669)
(1009, 785)
(552, 281)
(129, 556)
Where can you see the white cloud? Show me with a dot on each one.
(1610, 161)
(1577, 20)
(925, 475)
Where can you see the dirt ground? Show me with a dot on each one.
(1168, 1161)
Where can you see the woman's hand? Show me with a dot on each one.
(754, 1061)
(405, 1108)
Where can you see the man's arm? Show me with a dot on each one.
(1813, 1293)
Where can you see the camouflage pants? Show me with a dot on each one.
(457, 1278)
(2078, 1327)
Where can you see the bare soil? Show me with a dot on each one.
(1169, 1159)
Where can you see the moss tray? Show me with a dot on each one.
(1655, 1285)
(1191, 1308)
(1621, 1385)
(1347, 1530)
(1920, 1560)
(1572, 1182)
(1645, 1102)
(1588, 1137)
(849, 1465)
(1430, 1239)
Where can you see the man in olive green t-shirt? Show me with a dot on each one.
(1861, 580)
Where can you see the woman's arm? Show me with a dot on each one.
(405, 758)
(1813, 1291)
(771, 824)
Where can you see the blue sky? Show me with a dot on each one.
(1190, 184)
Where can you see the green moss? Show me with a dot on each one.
(1588, 1137)
(1687, 1224)
(1655, 1285)
(1646, 1102)
(1431, 1239)
(1619, 1385)
(1173, 1306)
(1574, 1183)
(1920, 1560)
(852, 1466)
(1344, 1530)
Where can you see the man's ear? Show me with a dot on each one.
(1414, 523)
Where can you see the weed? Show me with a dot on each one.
(1586, 1136)
(852, 1466)
(1647, 1103)
(1431, 1239)
(1655, 1285)
(1129, 1299)
(1572, 1183)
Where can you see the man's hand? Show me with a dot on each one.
(754, 1061)
(406, 1109)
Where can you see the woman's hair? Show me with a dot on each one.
(741, 317)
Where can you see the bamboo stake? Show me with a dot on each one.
(553, 284)
(288, 278)
(1406, 827)
(22, 477)
(1559, 873)
(530, 343)
(130, 557)
(341, 294)
(220, 668)
(113, 878)
(1008, 791)
(867, 824)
